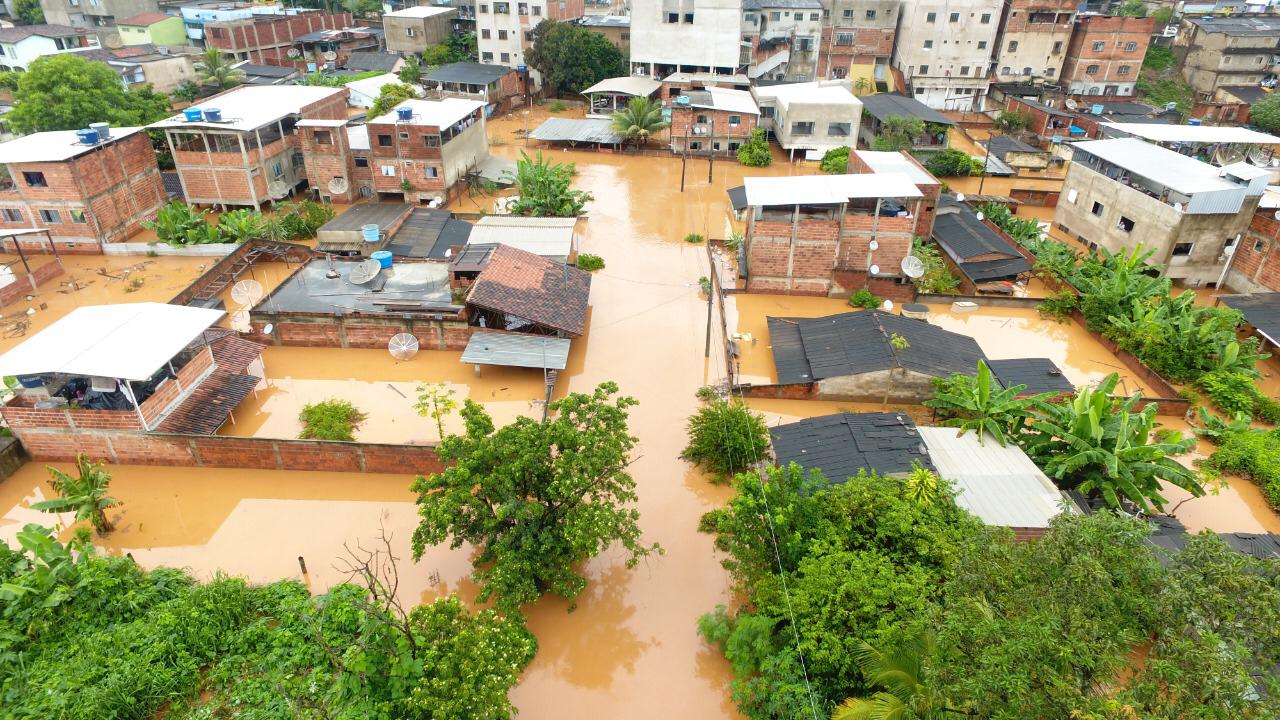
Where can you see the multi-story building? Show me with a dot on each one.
(1105, 55)
(1123, 193)
(780, 38)
(499, 88)
(84, 191)
(269, 39)
(688, 36)
(138, 66)
(414, 29)
(241, 147)
(858, 33)
(1255, 263)
(152, 28)
(335, 154)
(422, 148)
(94, 13)
(712, 121)
(196, 14)
(504, 28)
(330, 49)
(1227, 51)
(815, 116)
(21, 46)
(944, 50)
(1034, 35)
(615, 28)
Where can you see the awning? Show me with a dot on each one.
(512, 350)
(769, 64)
(128, 341)
(632, 85)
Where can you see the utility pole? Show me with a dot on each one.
(711, 154)
(986, 159)
(684, 157)
(711, 293)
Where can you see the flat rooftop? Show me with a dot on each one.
(824, 92)
(896, 162)
(407, 286)
(251, 107)
(434, 113)
(1194, 134)
(1160, 165)
(827, 189)
(55, 146)
(420, 12)
(884, 105)
(725, 99)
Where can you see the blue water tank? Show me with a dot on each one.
(404, 113)
(213, 114)
(370, 233)
(193, 114)
(88, 136)
(1096, 110)
(383, 257)
(1193, 121)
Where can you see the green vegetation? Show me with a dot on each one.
(411, 72)
(693, 238)
(1249, 452)
(436, 402)
(1012, 122)
(544, 190)
(84, 494)
(734, 241)
(1024, 231)
(638, 121)
(978, 403)
(899, 132)
(28, 12)
(755, 152)
(65, 91)
(535, 500)
(864, 298)
(1059, 306)
(953, 163)
(188, 91)
(1132, 8)
(726, 437)
(937, 277)
(455, 49)
(836, 161)
(318, 79)
(1266, 113)
(214, 69)
(557, 106)
(589, 262)
(1157, 58)
(572, 58)
(330, 420)
(390, 96)
(1162, 16)
(178, 223)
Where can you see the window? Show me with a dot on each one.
(1005, 70)
(871, 14)
(802, 128)
(804, 44)
(77, 216)
(362, 162)
(1057, 48)
(924, 69)
(847, 14)
(537, 10)
(954, 17)
(484, 8)
(964, 70)
(408, 31)
(388, 171)
(982, 44)
(1125, 224)
(50, 216)
(1097, 47)
(431, 140)
(1257, 245)
(431, 172)
(487, 57)
(1091, 70)
(505, 57)
(931, 17)
(277, 170)
(701, 120)
(766, 112)
(1049, 72)
(522, 8)
(1043, 18)
(34, 179)
(735, 120)
(1130, 46)
(985, 19)
(1026, 71)
(750, 17)
(919, 91)
(928, 44)
(502, 8)
(695, 145)
(323, 137)
(733, 147)
(1182, 249)
(1013, 46)
(484, 34)
(384, 141)
(838, 129)
(502, 34)
(775, 16)
(1123, 70)
(404, 136)
(673, 18)
(813, 17)
(12, 215)
(844, 38)
(1098, 209)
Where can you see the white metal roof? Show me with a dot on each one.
(1161, 165)
(1000, 485)
(252, 106)
(1194, 133)
(358, 137)
(54, 146)
(435, 113)
(821, 92)
(827, 189)
(730, 100)
(421, 11)
(372, 86)
(517, 350)
(633, 85)
(892, 161)
(129, 341)
(321, 122)
(550, 237)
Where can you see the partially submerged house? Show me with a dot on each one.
(810, 117)
(882, 106)
(977, 251)
(1261, 313)
(1017, 154)
(518, 291)
(612, 94)
(422, 148)
(841, 446)
(715, 120)
(574, 132)
(499, 87)
(930, 187)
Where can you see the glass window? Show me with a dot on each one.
(1182, 249)
(362, 162)
(384, 141)
(802, 128)
(431, 172)
(847, 14)
(323, 137)
(1123, 70)
(985, 19)
(1091, 70)
(964, 70)
(484, 34)
(1097, 47)
(844, 39)
(931, 17)
(50, 216)
(955, 17)
(871, 14)
(502, 34)
(34, 179)
(77, 216)
(1098, 209)
(924, 69)
(1130, 46)
(735, 120)
(982, 44)
(1013, 46)
(12, 215)
(928, 44)
(388, 171)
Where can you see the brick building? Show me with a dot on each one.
(241, 147)
(1255, 264)
(814, 235)
(331, 49)
(715, 120)
(428, 144)
(335, 155)
(84, 194)
(1034, 35)
(1105, 55)
(499, 88)
(858, 32)
(930, 187)
(268, 39)
(677, 84)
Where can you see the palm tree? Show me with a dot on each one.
(639, 120)
(84, 494)
(903, 675)
(981, 405)
(213, 69)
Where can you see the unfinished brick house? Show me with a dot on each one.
(930, 187)
(422, 148)
(1105, 55)
(500, 88)
(858, 33)
(241, 148)
(84, 193)
(1255, 264)
(715, 120)
(335, 155)
(268, 39)
(830, 235)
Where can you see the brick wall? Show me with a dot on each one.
(297, 254)
(1115, 34)
(21, 417)
(21, 285)
(685, 126)
(325, 161)
(1256, 258)
(358, 330)
(868, 44)
(266, 38)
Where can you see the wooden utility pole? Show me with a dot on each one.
(684, 157)
(711, 293)
(711, 151)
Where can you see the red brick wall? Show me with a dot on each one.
(22, 285)
(19, 417)
(307, 330)
(684, 122)
(868, 44)
(411, 156)
(1114, 33)
(267, 38)
(1262, 266)
(327, 161)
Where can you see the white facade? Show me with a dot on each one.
(686, 35)
(502, 32)
(196, 15)
(944, 50)
(19, 55)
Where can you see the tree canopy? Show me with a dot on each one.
(1266, 113)
(68, 92)
(571, 58)
(28, 12)
(544, 187)
(639, 120)
(392, 94)
(214, 69)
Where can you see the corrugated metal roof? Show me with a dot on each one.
(1173, 170)
(571, 130)
(633, 85)
(884, 105)
(1194, 133)
(1000, 485)
(550, 237)
(514, 350)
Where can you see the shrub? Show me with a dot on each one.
(180, 224)
(330, 420)
(589, 262)
(755, 152)
(1253, 454)
(1168, 435)
(1235, 392)
(707, 393)
(557, 106)
(693, 238)
(836, 161)
(936, 278)
(864, 298)
(1059, 306)
(734, 241)
(952, 163)
(726, 437)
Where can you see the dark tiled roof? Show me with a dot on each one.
(1261, 310)
(961, 235)
(14, 34)
(883, 105)
(273, 71)
(1038, 374)
(1246, 93)
(420, 233)
(524, 285)
(1042, 107)
(841, 445)
(172, 185)
(810, 349)
(365, 61)
(470, 73)
(473, 258)
(1002, 144)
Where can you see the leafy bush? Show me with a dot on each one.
(755, 152)
(693, 238)
(178, 223)
(836, 161)
(544, 187)
(952, 163)
(589, 262)
(937, 278)
(557, 106)
(330, 420)
(1253, 454)
(1158, 57)
(1231, 392)
(734, 241)
(1059, 305)
(864, 298)
(726, 437)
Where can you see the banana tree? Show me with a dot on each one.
(84, 494)
(979, 404)
(242, 225)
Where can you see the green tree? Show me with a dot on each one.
(544, 189)
(411, 72)
(755, 151)
(392, 94)
(214, 69)
(952, 163)
(331, 419)
(1012, 122)
(536, 499)
(903, 675)
(84, 494)
(28, 12)
(1132, 8)
(456, 48)
(241, 225)
(1162, 16)
(1266, 113)
(572, 58)
(362, 7)
(178, 223)
(188, 91)
(836, 161)
(726, 437)
(65, 91)
(937, 278)
(639, 120)
(899, 132)
(436, 402)
(978, 403)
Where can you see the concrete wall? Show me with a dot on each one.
(170, 31)
(711, 42)
(901, 386)
(822, 116)
(412, 35)
(950, 74)
(166, 75)
(87, 14)
(1210, 60)
(411, 158)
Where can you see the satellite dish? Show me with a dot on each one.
(402, 346)
(960, 197)
(1177, 207)
(293, 53)
(338, 185)
(981, 217)
(330, 55)
(875, 269)
(1071, 104)
(246, 292)
(912, 266)
(365, 272)
(1278, 214)
(888, 306)
(239, 320)
(277, 189)
(266, 329)
(873, 246)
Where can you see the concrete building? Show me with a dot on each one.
(94, 13)
(1034, 35)
(83, 193)
(21, 46)
(140, 65)
(882, 106)
(677, 84)
(269, 39)
(245, 152)
(363, 93)
(944, 51)
(504, 28)
(422, 148)
(781, 38)
(813, 116)
(692, 36)
(713, 121)
(152, 28)
(1105, 55)
(414, 29)
(615, 28)
(499, 88)
(330, 49)
(1228, 51)
(196, 14)
(1124, 192)
(858, 34)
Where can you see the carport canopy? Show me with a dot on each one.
(514, 350)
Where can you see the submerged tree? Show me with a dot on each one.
(726, 437)
(391, 95)
(899, 132)
(84, 494)
(639, 120)
(544, 188)
(902, 675)
(536, 499)
(978, 403)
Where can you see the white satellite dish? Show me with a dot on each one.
(1177, 207)
(873, 246)
(912, 266)
(293, 53)
(875, 269)
(888, 306)
(246, 292)
(338, 185)
(402, 346)
(239, 320)
(277, 188)
(330, 55)
(365, 272)
(981, 217)
(1277, 216)
(266, 329)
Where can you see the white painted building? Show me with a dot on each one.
(21, 46)
(944, 50)
(195, 15)
(504, 29)
(686, 36)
